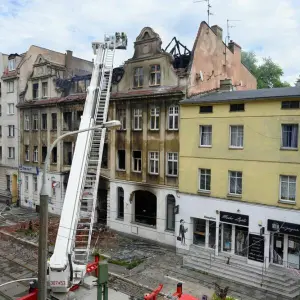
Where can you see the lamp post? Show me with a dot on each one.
(44, 198)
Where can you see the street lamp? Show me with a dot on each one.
(44, 198)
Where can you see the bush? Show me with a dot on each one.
(215, 297)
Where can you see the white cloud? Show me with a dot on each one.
(268, 27)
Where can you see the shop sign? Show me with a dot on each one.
(283, 227)
(232, 218)
(29, 169)
(209, 218)
(256, 250)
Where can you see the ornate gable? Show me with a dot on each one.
(40, 60)
(148, 43)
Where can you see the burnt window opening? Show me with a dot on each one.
(237, 107)
(78, 119)
(206, 109)
(44, 153)
(68, 155)
(35, 90)
(290, 104)
(145, 208)
(104, 164)
(54, 121)
(120, 204)
(121, 116)
(136, 161)
(67, 126)
(121, 160)
(54, 155)
(44, 122)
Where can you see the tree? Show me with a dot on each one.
(268, 74)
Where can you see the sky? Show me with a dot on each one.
(270, 28)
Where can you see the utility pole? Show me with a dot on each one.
(208, 9)
(102, 289)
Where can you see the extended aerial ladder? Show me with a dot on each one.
(68, 264)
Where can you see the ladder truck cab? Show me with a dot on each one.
(68, 264)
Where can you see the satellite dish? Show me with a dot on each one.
(201, 75)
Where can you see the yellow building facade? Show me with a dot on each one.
(239, 171)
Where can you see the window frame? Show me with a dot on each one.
(44, 83)
(235, 194)
(153, 160)
(137, 115)
(173, 113)
(169, 199)
(13, 152)
(120, 215)
(155, 116)
(206, 112)
(37, 90)
(10, 86)
(173, 162)
(201, 132)
(26, 185)
(26, 123)
(140, 77)
(281, 141)
(35, 154)
(121, 116)
(35, 121)
(236, 105)
(27, 153)
(118, 161)
(157, 75)
(11, 64)
(44, 123)
(11, 129)
(35, 183)
(199, 180)
(10, 111)
(237, 137)
(288, 184)
(139, 162)
(52, 123)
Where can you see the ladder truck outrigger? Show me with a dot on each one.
(68, 264)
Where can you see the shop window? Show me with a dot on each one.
(289, 136)
(205, 135)
(278, 248)
(170, 212)
(212, 234)
(120, 204)
(199, 231)
(227, 233)
(241, 240)
(235, 183)
(293, 252)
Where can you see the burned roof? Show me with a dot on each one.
(261, 94)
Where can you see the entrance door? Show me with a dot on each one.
(227, 232)
(14, 188)
(241, 240)
(278, 248)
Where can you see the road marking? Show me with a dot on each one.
(175, 279)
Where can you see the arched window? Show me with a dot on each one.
(120, 203)
(170, 212)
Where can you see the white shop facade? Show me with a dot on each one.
(258, 234)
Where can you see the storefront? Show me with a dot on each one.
(284, 243)
(204, 233)
(234, 233)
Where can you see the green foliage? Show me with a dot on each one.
(215, 297)
(268, 74)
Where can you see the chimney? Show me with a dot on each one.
(69, 60)
(235, 49)
(226, 85)
(218, 31)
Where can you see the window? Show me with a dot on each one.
(153, 163)
(11, 130)
(35, 183)
(155, 75)
(8, 182)
(68, 121)
(289, 136)
(237, 107)
(54, 121)
(235, 182)
(173, 117)
(288, 188)
(138, 78)
(154, 118)
(204, 180)
(26, 152)
(35, 154)
(120, 204)
(44, 122)
(104, 163)
(121, 160)
(26, 122)
(44, 89)
(0, 152)
(137, 161)
(206, 109)
(0, 131)
(26, 183)
(237, 136)
(121, 116)
(11, 109)
(54, 155)
(44, 153)
(10, 87)
(35, 122)
(137, 119)
(290, 104)
(170, 212)
(205, 135)
(172, 164)
(35, 90)
(11, 64)
(0, 110)
(11, 152)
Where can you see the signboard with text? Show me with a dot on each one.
(233, 218)
(283, 227)
(256, 249)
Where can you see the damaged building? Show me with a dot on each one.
(144, 152)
